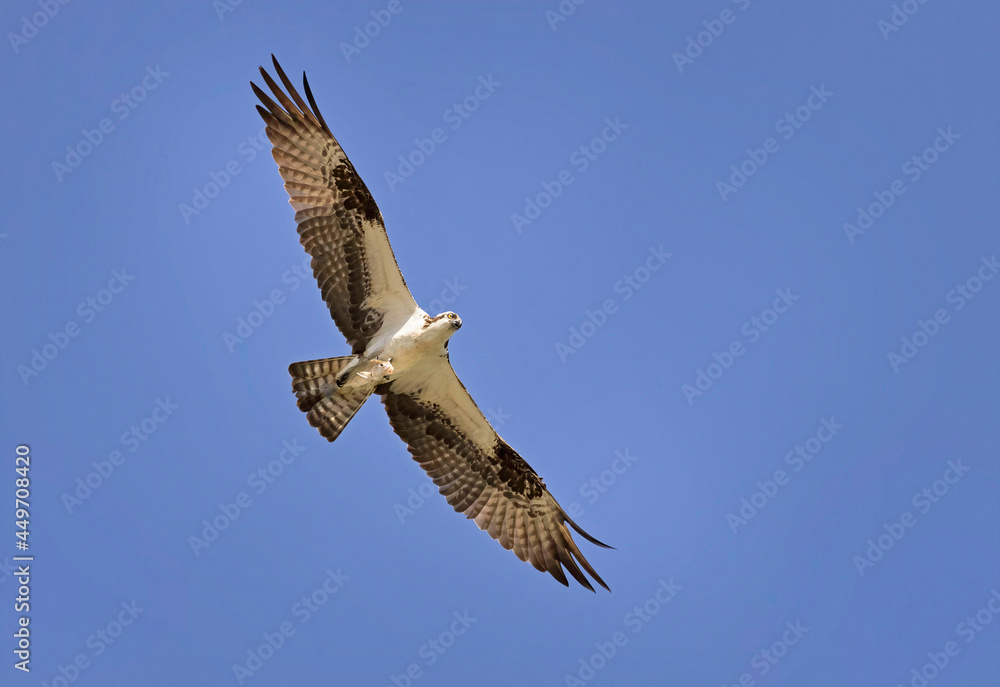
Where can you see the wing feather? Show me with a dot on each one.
(478, 510)
(495, 525)
(552, 563)
(470, 495)
(339, 224)
(479, 474)
(563, 550)
(532, 542)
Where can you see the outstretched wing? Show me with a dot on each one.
(479, 473)
(339, 223)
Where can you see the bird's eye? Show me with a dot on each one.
(452, 316)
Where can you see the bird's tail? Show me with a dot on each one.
(327, 407)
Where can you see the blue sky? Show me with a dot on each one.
(727, 273)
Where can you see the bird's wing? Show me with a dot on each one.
(479, 473)
(339, 223)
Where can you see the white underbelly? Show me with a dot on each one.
(403, 346)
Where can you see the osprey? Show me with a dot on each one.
(398, 350)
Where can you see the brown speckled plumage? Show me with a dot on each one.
(341, 227)
(334, 209)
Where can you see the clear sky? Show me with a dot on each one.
(729, 283)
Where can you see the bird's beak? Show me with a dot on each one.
(457, 323)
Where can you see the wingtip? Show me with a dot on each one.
(277, 67)
(315, 107)
(583, 533)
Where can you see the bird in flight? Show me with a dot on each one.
(399, 351)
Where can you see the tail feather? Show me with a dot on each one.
(328, 407)
(312, 379)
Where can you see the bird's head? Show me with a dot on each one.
(444, 325)
(450, 319)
